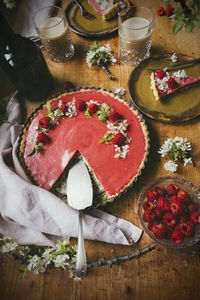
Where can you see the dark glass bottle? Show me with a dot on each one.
(24, 63)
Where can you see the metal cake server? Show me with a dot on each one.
(80, 196)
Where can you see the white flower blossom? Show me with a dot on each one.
(120, 91)
(119, 127)
(71, 112)
(104, 49)
(60, 261)
(174, 57)
(188, 161)
(121, 151)
(9, 247)
(33, 262)
(180, 74)
(178, 149)
(171, 166)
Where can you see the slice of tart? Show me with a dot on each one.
(163, 84)
(106, 8)
(109, 135)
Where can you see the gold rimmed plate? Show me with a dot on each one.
(181, 106)
(90, 28)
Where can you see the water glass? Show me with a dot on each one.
(52, 28)
(135, 34)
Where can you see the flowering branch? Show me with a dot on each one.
(177, 149)
(39, 258)
(102, 57)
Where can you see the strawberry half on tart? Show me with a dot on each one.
(108, 134)
(164, 84)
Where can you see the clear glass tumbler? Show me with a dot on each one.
(135, 34)
(52, 28)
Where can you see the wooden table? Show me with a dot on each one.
(161, 274)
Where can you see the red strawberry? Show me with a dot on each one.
(68, 85)
(118, 139)
(45, 122)
(151, 195)
(184, 197)
(192, 207)
(114, 116)
(169, 11)
(163, 204)
(187, 228)
(183, 217)
(159, 230)
(173, 198)
(43, 138)
(176, 208)
(93, 108)
(161, 192)
(148, 205)
(160, 74)
(151, 224)
(63, 108)
(172, 189)
(172, 84)
(80, 105)
(160, 11)
(159, 213)
(149, 215)
(195, 217)
(177, 237)
(169, 220)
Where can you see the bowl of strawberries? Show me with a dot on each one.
(169, 211)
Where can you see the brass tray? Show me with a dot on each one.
(181, 106)
(90, 28)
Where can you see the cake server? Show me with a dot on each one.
(80, 196)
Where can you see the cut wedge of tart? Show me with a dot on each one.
(106, 8)
(108, 134)
(164, 84)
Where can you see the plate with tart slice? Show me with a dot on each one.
(168, 96)
(105, 21)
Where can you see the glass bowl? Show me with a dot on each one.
(163, 182)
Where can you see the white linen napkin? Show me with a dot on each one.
(32, 215)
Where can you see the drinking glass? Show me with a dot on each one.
(135, 34)
(52, 28)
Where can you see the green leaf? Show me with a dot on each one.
(39, 148)
(23, 273)
(32, 152)
(106, 138)
(49, 107)
(189, 26)
(87, 113)
(103, 117)
(177, 27)
(58, 113)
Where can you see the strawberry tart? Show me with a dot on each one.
(106, 8)
(108, 134)
(164, 84)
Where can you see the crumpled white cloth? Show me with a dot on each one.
(32, 215)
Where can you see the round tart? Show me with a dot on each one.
(93, 124)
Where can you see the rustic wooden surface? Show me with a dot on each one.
(162, 274)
